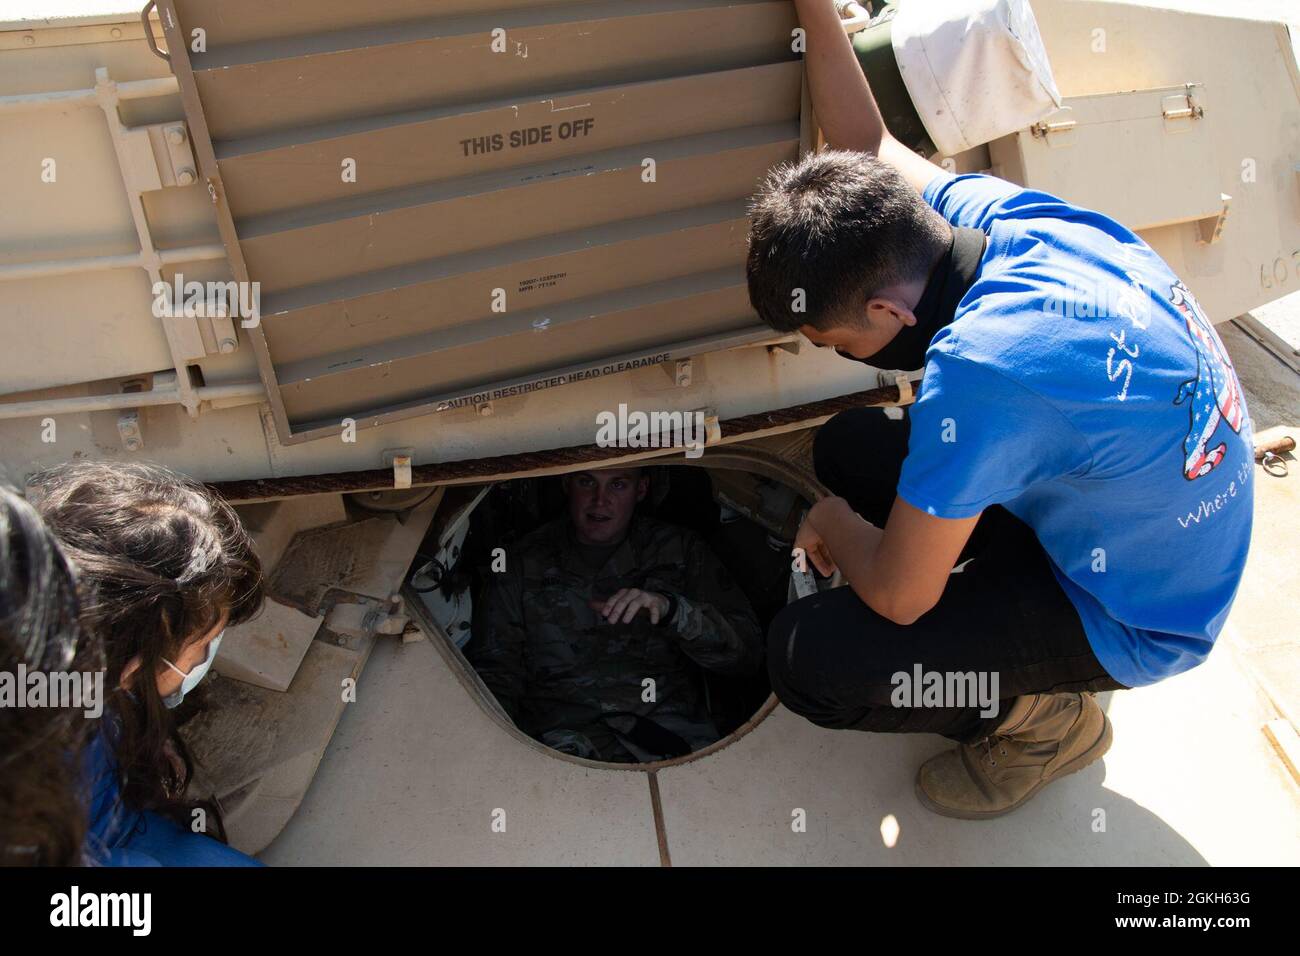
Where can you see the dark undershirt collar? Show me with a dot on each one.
(952, 277)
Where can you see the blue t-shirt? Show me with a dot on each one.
(1082, 387)
(118, 836)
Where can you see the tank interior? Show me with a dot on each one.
(746, 520)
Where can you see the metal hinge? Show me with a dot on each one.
(1178, 108)
(1041, 129)
(1056, 130)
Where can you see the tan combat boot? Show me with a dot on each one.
(1044, 736)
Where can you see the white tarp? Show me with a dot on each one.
(975, 69)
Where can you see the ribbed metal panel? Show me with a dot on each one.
(482, 179)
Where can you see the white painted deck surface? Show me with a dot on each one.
(416, 770)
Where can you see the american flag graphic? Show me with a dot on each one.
(1213, 395)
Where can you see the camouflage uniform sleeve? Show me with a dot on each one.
(716, 626)
(497, 649)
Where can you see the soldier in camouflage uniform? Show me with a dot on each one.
(594, 606)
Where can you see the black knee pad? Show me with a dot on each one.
(780, 634)
(794, 687)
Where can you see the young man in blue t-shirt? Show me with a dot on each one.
(1066, 508)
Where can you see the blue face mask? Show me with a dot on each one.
(194, 676)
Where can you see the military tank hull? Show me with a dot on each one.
(458, 237)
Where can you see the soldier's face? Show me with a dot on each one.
(601, 503)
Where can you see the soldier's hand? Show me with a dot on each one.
(626, 603)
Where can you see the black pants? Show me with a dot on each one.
(832, 659)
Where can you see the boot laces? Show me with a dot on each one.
(989, 743)
(998, 741)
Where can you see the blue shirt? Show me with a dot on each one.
(119, 836)
(1082, 387)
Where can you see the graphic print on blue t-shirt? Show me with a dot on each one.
(1082, 387)
(1214, 393)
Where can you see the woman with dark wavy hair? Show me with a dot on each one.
(165, 568)
(42, 821)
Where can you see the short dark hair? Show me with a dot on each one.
(840, 226)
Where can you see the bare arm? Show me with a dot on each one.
(841, 95)
(900, 572)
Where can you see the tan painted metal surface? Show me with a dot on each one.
(662, 107)
(378, 293)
